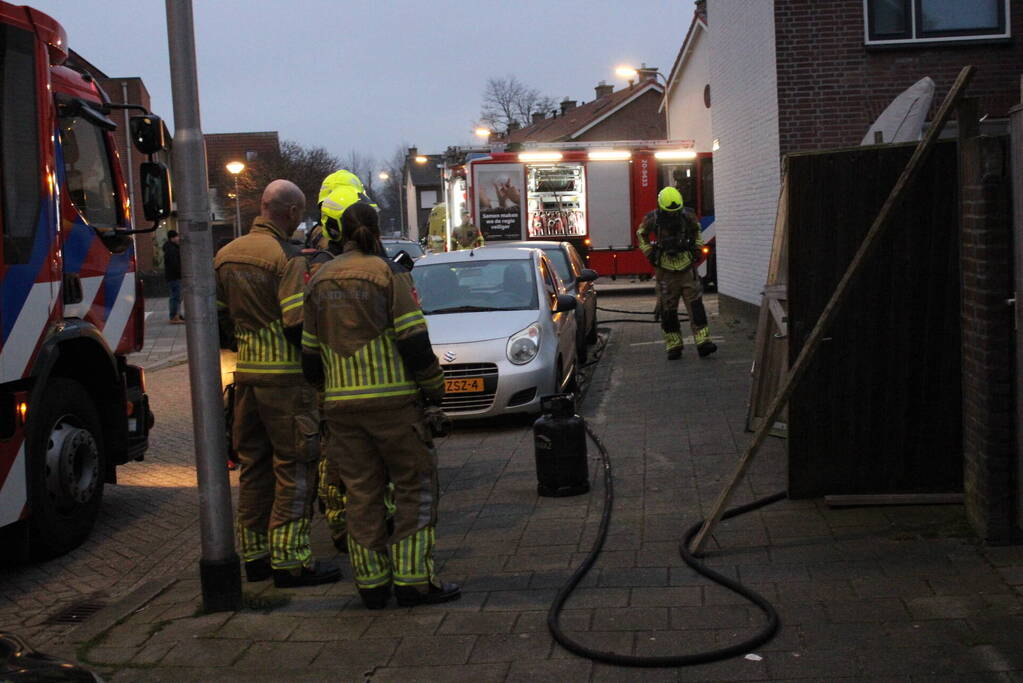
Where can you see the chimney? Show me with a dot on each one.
(413, 152)
(538, 116)
(646, 73)
(603, 89)
(701, 10)
(567, 105)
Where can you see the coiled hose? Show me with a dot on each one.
(553, 614)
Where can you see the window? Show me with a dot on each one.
(19, 139)
(907, 21)
(251, 155)
(90, 181)
(427, 198)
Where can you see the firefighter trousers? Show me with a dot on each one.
(370, 448)
(671, 286)
(276, 436)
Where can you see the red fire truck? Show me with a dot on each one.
(71, 407)
(591, 194)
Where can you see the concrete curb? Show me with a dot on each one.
(110, 616)
(172, 361)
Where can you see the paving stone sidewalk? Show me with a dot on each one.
(164, 342)
(863, 594)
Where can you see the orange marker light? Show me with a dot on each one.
(706, 250)
(22, 409)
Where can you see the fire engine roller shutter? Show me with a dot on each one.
(608, 197)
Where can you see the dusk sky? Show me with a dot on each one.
(370, 76)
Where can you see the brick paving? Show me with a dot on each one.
(165, 343)
(863, 594)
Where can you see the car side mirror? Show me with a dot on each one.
(156, 191)
(149, 134)
(566, 303)
(403, 259)
(587, 275)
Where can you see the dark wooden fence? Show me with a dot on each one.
(880, 409)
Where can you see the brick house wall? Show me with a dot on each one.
(747, 166)
(831, 87)
(987, 339)
(638, 120)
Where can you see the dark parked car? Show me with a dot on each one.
(578, 281)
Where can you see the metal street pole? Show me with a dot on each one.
(219, 568)
(237, 210)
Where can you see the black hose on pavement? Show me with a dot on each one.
(765, 634)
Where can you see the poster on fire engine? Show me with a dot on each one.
(499, 201)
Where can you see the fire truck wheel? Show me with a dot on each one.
(66, 469)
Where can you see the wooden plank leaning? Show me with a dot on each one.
(809, 349)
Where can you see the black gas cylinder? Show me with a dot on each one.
(559, 439)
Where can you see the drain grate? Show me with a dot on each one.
(77, 613)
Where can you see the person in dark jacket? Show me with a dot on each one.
(172, 273)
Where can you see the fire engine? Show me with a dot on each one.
(71, 407)
(593, 194)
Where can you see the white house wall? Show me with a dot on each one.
(688, 115)
(745, 123)
(411, 212)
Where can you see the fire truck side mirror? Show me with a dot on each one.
(149, 134)
(156, 191)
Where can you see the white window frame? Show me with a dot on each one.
(915, 40)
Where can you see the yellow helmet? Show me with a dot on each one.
(669, 199)
(333, 205)
(337, 179)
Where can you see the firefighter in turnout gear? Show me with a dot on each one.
(346, 191)
(276, 425)
(365, 340)
(674, 256)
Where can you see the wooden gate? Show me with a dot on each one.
(879, 410)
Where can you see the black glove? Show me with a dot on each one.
(437, 420)
(654, 255)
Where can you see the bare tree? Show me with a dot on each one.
(507, 100)
(304, 166)
(391, 210)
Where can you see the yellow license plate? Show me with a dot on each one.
(463, 385)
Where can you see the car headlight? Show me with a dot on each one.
(523, 345)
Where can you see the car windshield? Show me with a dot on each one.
(471, 286)
(559, 258)
(411, 248)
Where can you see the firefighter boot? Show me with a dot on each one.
(319, 572)
(706, 348)
(432, 594)
(258, 569)
(376, 598)
(673, 344)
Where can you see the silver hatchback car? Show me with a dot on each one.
(502, 325)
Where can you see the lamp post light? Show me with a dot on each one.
(483, 132)
(235, 168)
(384, 175)
(629, 73)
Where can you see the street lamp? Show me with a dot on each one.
(235, 168)
(629, 73)
(384, 175)
(483, 132)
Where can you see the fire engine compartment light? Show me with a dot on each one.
(22, 409)
(675, 154)
(610, 155)
(527, 157)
